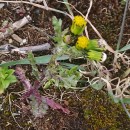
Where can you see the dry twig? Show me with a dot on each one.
(15, 26)
(42, 47)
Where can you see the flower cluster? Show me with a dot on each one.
(91, 47)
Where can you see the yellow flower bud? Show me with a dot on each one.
(78, 25)
(82, 42)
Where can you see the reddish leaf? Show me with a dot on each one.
(54, 105)
(19, 72)
(30, 90)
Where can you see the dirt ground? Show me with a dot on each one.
(90, 109)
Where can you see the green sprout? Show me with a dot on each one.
(6, 78)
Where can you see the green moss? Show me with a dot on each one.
(101, 113)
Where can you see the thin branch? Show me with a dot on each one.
(86, 17)
(122, 26)
(123, 105)
(45, 4)
(10, 104)
(68, 7)
(39, 6)
(89, 9)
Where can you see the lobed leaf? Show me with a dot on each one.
(54, 105)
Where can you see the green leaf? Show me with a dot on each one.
(65, 31)
(93, 45)
(98, 86)
(5, 72)
(125, 48)
(5, 84)
(11, 79)
(57, 28)
(6, 78)
(126, 100)
(68, 65)
(2, 74)
(8, 72)
(69, 77)
(39, 60)
(63, 77)
(32, 60)
(59, 35)
(73, 52)
(49, 83)
(115, 99)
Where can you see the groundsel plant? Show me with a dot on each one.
(118, 87)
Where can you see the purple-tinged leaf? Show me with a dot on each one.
(54, 105)
(27, 94)
(30, 90)
(36, 92)
(19, 72)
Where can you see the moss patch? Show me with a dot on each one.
(101, 113)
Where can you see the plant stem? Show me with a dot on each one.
(125, 108)
(122, 26)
